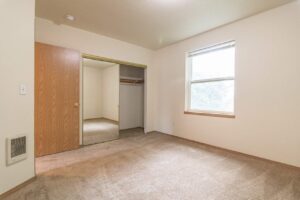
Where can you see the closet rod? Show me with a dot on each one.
(123, 80)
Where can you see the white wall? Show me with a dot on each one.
(267, 107)
(110, 92)
(92, 92)
(87, 42)
(16, 66)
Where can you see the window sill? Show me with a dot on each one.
(210, 114)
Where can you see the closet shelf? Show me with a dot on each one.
(134, 81)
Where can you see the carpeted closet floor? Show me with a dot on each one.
(158, 167)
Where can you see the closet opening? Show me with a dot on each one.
(132, 104)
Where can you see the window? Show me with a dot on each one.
(210, 80)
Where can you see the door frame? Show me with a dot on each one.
(115, 61)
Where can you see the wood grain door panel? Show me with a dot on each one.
(56, 99)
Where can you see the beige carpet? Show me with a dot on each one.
(158, 167)
(99, 130)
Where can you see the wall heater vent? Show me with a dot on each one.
(16, 149)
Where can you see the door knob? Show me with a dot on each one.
(76, 104)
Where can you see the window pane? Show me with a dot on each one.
(215, 64)
(213, 96)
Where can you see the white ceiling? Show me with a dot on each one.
(96, 63)
(151, 23)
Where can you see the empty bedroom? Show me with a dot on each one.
(150, 99)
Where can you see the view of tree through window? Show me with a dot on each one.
(211, 79)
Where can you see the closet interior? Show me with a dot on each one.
(131, 97)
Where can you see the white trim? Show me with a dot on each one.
(216, 47)
(212, 80)
(188, 83)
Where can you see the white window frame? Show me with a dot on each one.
(189, 82)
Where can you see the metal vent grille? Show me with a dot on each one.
(18, 146)
(16, 149)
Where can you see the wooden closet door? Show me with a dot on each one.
(56, 99)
